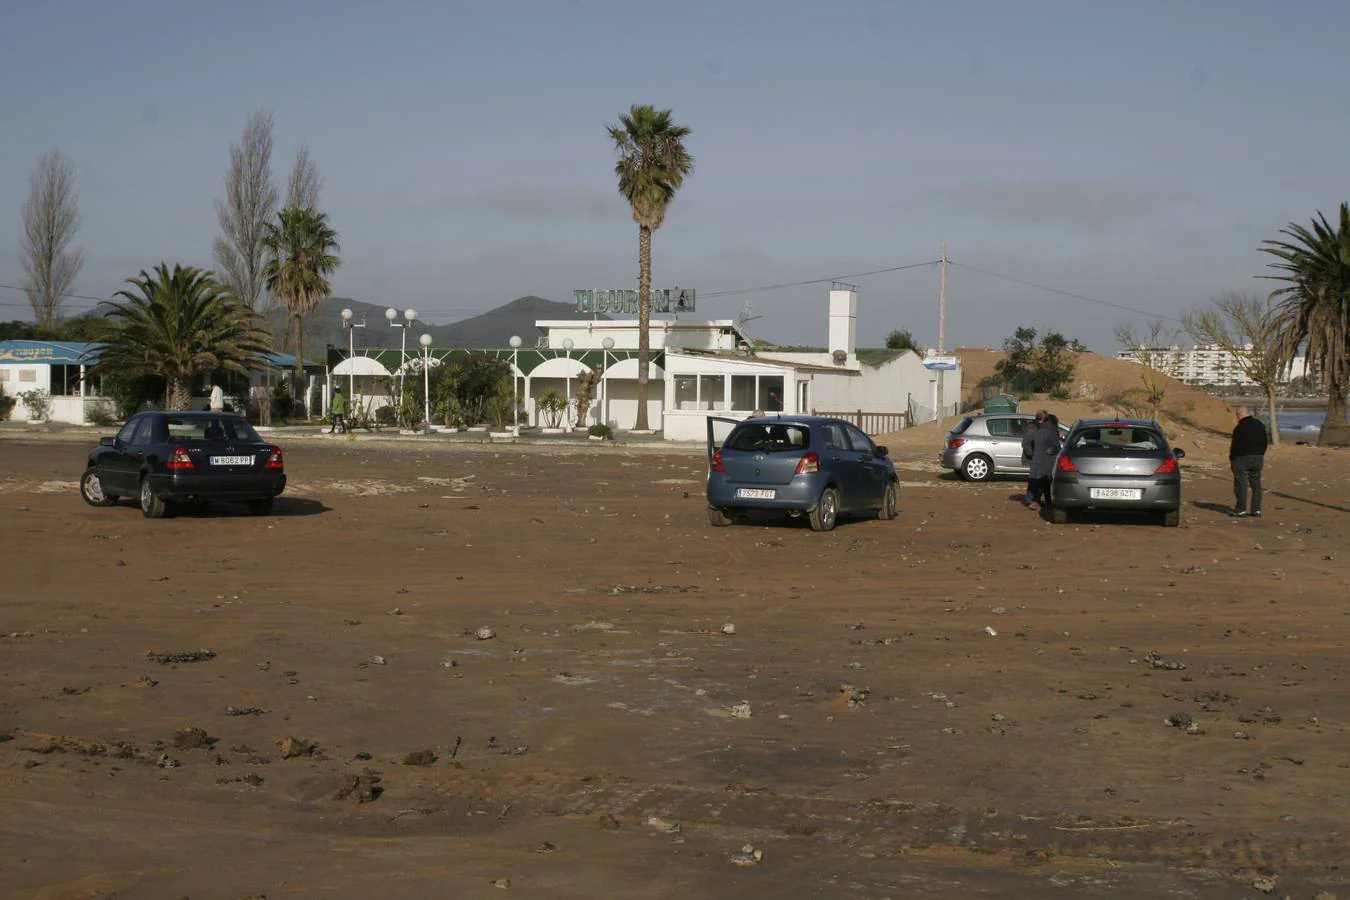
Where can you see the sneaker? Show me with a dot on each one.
(1240, 514)
(1034, 506)
(1256, 513)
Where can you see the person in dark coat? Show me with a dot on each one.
(1247, 457)
(1044, 449)
(1028, 451)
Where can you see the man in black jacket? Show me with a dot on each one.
(1247, 456)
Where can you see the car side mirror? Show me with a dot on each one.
(882, 451)
(1179, 453)
(107, 442)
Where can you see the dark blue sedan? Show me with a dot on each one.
(168, 458)
(801, 465)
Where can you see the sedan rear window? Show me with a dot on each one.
(213, 428)
(769, 436)
(1124, 438)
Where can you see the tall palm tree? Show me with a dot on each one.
(177, 326)
(1314, 308)
(301, 251)
(652, 165)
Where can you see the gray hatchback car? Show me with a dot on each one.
(810, 466)
(1117, 464)
(982, 446)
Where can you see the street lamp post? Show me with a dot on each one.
(425, 341)
(567, 410)
(410, 315)
(608, 344)
(348, 324)
(515, 357)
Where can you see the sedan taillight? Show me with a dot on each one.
(808, 464)
(274, 460)
(1064, 464)
(716, 463)
(1167, 467)
(179, 460)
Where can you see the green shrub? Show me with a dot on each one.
(102, 414)
(1059, 393)
(39, 405)
(386, 416)
(601, 431)
(7, 404)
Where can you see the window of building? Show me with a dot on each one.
(686, 392)
(763, 392)
(28, 375)
(712, 391)
(743, 392)
(770, 393)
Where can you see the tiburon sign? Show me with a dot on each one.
(674, 300)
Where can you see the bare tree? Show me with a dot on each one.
(305, 183)
(1156, 351)
(250, 204)
(51, 216)
(1248, 329)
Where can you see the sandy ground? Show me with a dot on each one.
(965, 702)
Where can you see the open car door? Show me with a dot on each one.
(718, 429)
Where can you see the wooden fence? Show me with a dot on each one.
(870, 422)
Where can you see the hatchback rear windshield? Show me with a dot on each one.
(769, 437)
(1124, 438)
(210, 428)
(962, 425)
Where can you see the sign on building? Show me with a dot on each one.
(674, 300)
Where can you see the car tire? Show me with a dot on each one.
(826, 511)
(260, 507)
(152, 505)
(1059, 515)
(1171, 518)
(718, 517)
(91, 489)
(977, 467)
(890, 502)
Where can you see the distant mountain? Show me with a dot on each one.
(491, 329)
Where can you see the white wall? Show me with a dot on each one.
(590, 335)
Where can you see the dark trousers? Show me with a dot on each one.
(1040, 490)
(339, 422)
(1247, 475)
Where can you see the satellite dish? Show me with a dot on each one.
(840, 357)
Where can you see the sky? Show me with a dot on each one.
(1134, 155)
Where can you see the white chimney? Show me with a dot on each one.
(843, 322)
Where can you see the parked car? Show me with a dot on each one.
(168, 458)
(809, 466)
(986, 445)
(1117, 464)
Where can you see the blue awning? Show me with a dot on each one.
(69, 353)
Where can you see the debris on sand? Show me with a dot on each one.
(292, 747)
(607, 823)
(192, 739)
(485, 634)
(185, 656)
(361, 788)
(853, 696)
(503, 883)
(741, 711)
(419, 758)
(1266, 884)
(748, 856)
(1184, 722)
(244, 711)
(661, 824)
(1155, 661)
(729, 628)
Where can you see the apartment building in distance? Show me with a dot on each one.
(1203, 364)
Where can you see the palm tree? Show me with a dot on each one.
(177, 326)
(301, 255)
(1314, 309)
(651, 167)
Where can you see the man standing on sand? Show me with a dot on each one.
(1247, 456)
(1029, 453)
(339, 410)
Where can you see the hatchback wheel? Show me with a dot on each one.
(718, 517)
(977, 468)
(1059, 515)
(890, 503)
(152, 506)
(826, 513)
(91, 489)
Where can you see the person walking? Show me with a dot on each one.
(1247, 457)
(217, 402)
(339, 410)
(1029, 452)
(1045, 447)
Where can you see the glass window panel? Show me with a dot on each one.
(770, 393)
(686, 392)
(712, 391)
(743, 392)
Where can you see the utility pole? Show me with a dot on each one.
(942, 329)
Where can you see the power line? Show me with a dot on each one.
(1041, 287)
(811, 281)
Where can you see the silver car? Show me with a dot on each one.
(1124, 465)
(988, 444)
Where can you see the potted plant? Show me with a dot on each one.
(552, 407)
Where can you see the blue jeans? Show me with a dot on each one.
(1247, 475)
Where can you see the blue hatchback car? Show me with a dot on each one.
(809, 466)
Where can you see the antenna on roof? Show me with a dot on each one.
(745, 318)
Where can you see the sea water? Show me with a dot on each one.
(1301, 421)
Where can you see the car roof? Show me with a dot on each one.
(1133, 423)
(190, 413)
(793, 420)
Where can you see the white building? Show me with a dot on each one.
(695, 370)
(1203, 364)
(55, 375)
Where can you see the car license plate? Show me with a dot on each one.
(1116, 493)
(231, 460)
(755, 494)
